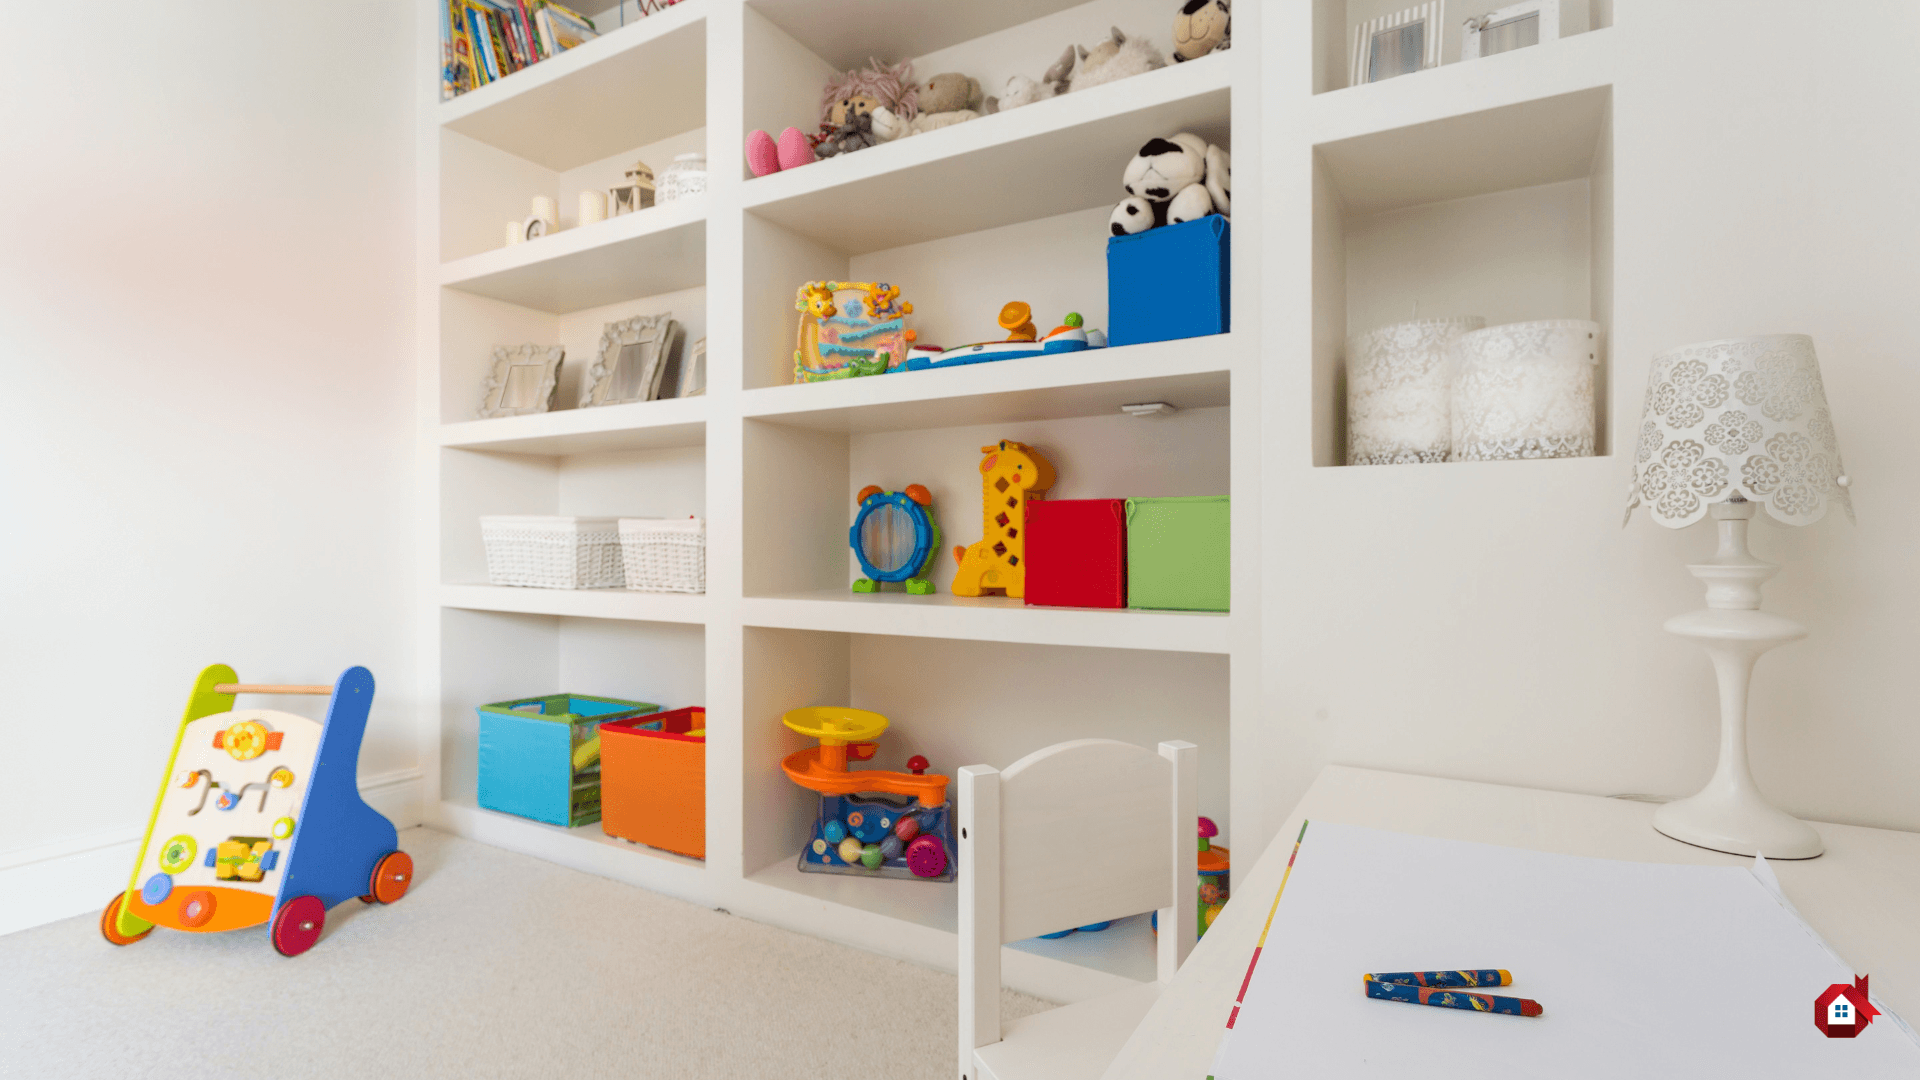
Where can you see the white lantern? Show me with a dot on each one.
(1399, 391)
(1525, 390)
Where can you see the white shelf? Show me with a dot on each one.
(641, 425)
(578, 603)
(1191, 373)
(624, 89)
(991, 618)
(645, 253)
(932, 185)
(1533, 116)
(1125, 949)
(845, 33)
(587, 848)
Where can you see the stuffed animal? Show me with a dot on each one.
(766, 156)
(1116, 58)
(858, 93)
(1171, 180)
(1024, 91)
(1203, 26)
(943, 101)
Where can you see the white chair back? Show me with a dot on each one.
(1075, 833)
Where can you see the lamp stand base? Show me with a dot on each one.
(1730, 814)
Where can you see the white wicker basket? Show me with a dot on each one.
(665, 555)
(552, 552)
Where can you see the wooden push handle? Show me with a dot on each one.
(251, 688)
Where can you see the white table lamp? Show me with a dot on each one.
(1730, 426)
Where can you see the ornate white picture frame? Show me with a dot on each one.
(693, 377)
(634, 354)
(1397, 44)
(521, 380)
(1515, 26)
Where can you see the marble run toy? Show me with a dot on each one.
(1023, 339)
(871, 822)
(894, 536)
(849, 329)
(306, 843)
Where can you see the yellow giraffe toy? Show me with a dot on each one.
(997, 563)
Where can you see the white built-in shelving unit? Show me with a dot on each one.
(1010, 206)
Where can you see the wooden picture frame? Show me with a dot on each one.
(1397, 44)
(521, 380)
(634, 354)
(693, 378)
(1515, 26)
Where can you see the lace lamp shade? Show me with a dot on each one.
(1399, 391)
(1525, 390)
(1742, 417)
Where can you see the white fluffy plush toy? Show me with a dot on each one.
(1118, 57)
(1172, 180)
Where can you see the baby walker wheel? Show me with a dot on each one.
(298, 924)
(391, 876)
(110, 923)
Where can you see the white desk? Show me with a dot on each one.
(1863, 895)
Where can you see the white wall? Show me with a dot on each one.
(1493, 621)
(206, 317)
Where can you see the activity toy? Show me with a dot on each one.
(1173, 180)
(1202, 27)
(653, 780)
(894, 536)
(540, 756)
(1170, 283)
(766, 156)
(850, 328)
(1016, 317)
(1021, 90)
(871, 822)
(1077, 553)
(1215, 865)
(1116, 58)
(1178, 553)
(1010, 474)
(288, 835)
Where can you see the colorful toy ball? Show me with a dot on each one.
(833, 832)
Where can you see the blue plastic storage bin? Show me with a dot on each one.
(540, 757)
(1171, 282)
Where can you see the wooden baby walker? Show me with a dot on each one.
(260, 820)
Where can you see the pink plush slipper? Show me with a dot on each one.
(795, 150)
(762, 156)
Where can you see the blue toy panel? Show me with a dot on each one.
(989, 351)
(340, 839)
(877, 820)
(1171, 282)
(883, 513)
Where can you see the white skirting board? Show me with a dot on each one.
(57, 881)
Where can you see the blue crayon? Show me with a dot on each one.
(1451, 999)
(1482, 977)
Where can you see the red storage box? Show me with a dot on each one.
(1077, 552)
(653, 784)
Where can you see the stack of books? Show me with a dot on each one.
(486, 40)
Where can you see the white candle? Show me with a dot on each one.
(547, 210)
(593, 207)
(516, 232)
(1398, 391)
(1525, 390)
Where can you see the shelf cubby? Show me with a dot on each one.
(1505, 213)
(625, 88)
(1333, 44)
(963, 703)
(661, 249)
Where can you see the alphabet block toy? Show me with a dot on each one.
(288, 835)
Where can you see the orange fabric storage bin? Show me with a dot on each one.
(653, 784)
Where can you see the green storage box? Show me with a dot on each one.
(1177, 553)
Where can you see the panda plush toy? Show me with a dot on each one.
(1172, 180)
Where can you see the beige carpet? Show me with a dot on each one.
(494, 965)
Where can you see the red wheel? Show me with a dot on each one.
(391, 876)
(298, 924)
(110, 923)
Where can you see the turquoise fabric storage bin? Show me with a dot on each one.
(540, 756)
(1171, 282)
